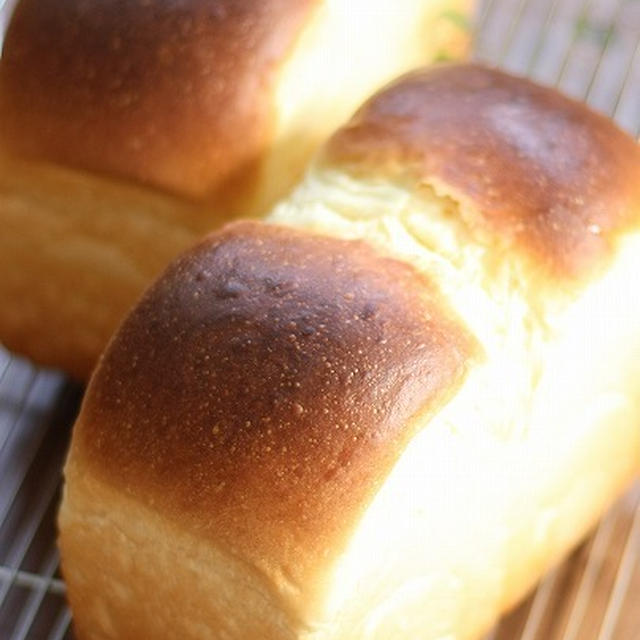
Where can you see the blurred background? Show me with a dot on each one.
(590, 49)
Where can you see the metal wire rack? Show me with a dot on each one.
(588, 48)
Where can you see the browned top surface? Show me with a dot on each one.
(265, 385)
(544, 172)
(174, 94)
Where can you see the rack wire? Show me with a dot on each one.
(589, 49)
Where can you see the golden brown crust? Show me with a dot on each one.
(545, 173)
(264, 386)
(176, 95)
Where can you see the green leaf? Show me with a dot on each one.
(585, 29)
(458, 18)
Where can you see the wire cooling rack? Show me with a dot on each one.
(589, 49)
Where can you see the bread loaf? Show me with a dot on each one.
(129, 128)
(384, 413)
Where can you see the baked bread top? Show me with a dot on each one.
(176, 96)
(265, 385)
(223, 100)
(532, 169)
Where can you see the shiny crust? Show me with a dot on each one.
(264, 387)
(531, 167)
(134, 89)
